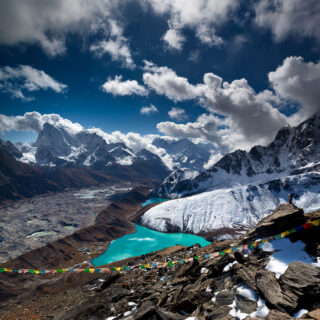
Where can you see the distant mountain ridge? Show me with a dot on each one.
(243, 187)
(293, 150)
(56, 146)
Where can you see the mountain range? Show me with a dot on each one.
(60, 158)
(243, 187)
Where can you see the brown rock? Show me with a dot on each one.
(221, 313)
(285, 217)
(225, 297)
(246, 305)
(303, 281)
(277, 315)
(315, 314)
(269, 287)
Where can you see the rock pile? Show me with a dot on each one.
(232, 286)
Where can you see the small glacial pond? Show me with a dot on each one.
(144, 241)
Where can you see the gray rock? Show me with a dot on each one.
(225, 297)
(269, 287)
(302, 281)
(221, 313)
(246, 305)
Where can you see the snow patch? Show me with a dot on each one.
(285, 252)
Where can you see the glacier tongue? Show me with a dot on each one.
(233, 208)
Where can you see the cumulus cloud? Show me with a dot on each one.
(16, 80)
(47, 23)
(202, 16)
(178, 114)
(174, 39)
(165, 81)
(248, 117)
(289, 18)
(117, 87)
(298, 81)
(149, 110)
(34, 121)
(206, 127)
(251, 116)
(117, 46)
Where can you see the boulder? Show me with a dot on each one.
(302, 281)
(284, 218)
(225, 297)
(246, 305)
(220, 313)
(270, 289)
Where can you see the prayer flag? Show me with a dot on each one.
(307, 226)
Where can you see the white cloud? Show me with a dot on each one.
(251, 117)
(296, 18)
(202, 16)
(34, 121)
(149, 110)
(178, 114)
(117, 46)
(117, 87)
(165, 81)
(206, 127)
(15, 80)
(47, 23)
(298, 81)
(174, 39)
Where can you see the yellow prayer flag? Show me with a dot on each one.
(283, 234)
(36, 271)
(227, 250)
(118, 268)
(91, 270)
(316, 223)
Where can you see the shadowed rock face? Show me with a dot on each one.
(285, 217)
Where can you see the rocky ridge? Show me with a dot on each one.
(232, 286)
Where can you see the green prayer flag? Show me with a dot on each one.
(85, 270)
(221, 253)
(1, 269)
(196, 258)
(170, 264)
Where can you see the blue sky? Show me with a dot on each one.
(236, 40)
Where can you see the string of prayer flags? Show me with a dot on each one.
(241, 248)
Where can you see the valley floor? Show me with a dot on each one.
(32, 223)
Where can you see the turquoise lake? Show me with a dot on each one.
(153, 200)
(144, 241)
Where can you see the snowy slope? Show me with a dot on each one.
(243, 187)
(236, 208)
(184, 153)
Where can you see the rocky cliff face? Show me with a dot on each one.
(231, 286)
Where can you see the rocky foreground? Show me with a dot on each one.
(232, 286)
